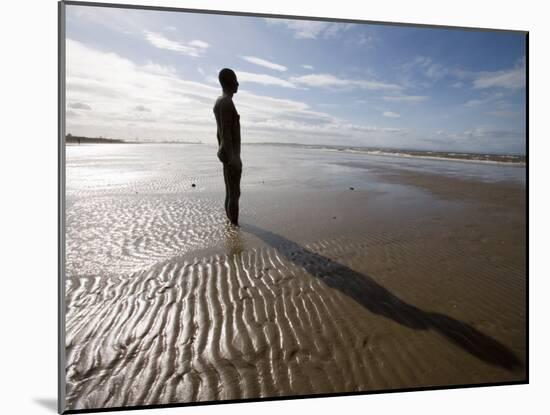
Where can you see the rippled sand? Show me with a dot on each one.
(398, 283)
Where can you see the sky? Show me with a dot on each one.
(152, 75)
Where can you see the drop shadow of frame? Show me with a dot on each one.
(49, 403)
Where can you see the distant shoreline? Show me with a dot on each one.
(515, 159)
(491, 158)
(74, 139)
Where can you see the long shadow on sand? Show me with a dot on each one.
(375, 298)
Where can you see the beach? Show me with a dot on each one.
(350, 272)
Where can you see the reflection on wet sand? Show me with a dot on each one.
(234, 244)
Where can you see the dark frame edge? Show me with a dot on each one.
(61, 357)
(283, 16)
(527, 361)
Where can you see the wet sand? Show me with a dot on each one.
(411, 279)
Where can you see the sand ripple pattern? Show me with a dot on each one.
(176, 183)
(123, 234)
(286, 319)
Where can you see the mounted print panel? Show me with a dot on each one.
(257, 207)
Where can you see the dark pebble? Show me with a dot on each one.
(351, 188)
(193, 185)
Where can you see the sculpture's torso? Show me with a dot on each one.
(225, 103)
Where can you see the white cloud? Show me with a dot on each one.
(488, 139)
(331, 81)
(423, 71)
(486, 98)
(406, 98)
(308, 29)
(115, 88)
(199, 44)
(391, 114)
(121, 92)
(481, 133)
(263, 79)
(431, 69)
(193, 48)
(426, 67)
(264, 63)
(487, 132)
(512, 78)
(509, 79)
(308, 67)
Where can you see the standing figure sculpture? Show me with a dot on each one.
(229, 143)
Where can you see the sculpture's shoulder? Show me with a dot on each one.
(224, 104)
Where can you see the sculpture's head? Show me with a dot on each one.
(228, 80)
